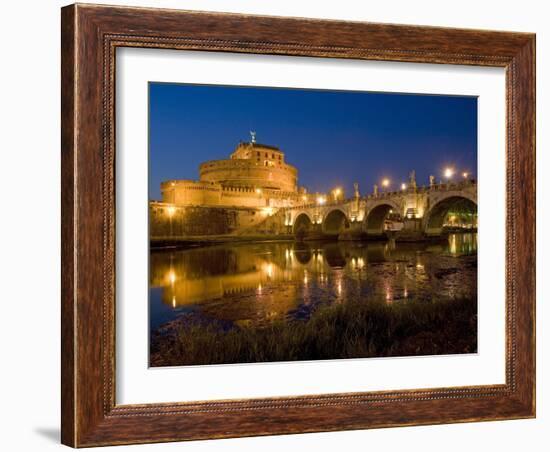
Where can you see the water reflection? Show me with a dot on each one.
(258, 282)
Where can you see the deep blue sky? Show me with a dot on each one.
(332, 137)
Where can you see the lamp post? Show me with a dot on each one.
(321, 200)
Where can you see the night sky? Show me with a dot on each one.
(334, 138)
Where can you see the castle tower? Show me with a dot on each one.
(252, 165)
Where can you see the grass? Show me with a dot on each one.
(351, 330)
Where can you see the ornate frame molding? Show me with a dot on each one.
(90, 36)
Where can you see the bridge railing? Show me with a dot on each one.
(448, 186)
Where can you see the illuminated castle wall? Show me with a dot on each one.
(255, 176)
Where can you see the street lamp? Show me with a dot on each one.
(336, 193)
(385, 183)
(403, 186)
(321, 200)
(448, 173)
(465, 175)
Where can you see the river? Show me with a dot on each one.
(253, 284)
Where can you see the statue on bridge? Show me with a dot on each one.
(375, 190)
(412, 179)
(356, 190)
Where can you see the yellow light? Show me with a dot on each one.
(268, 211)
(172, 277)
(171, 211)
(321, 200)
(385, 183)
(448, 173)
(465, 175)
(403, 186)
(259, 191)
(304, 198)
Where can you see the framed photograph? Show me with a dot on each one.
(282, 225)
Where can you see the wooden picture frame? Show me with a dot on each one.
(90, 36)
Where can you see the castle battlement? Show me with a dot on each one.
(255, 175)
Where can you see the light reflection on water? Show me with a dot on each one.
(258, 282)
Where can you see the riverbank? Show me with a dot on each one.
(355, 329)
(205, 240)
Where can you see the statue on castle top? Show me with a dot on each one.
(253, 136)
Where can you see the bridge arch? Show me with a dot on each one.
(437, 213)
(302, 222)
(374, 218)
(302, 252)
(335, 221)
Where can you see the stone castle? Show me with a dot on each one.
(232, 196)
(255, 176)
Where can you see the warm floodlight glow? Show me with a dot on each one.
(403, 186)
(268, 211)
(171, 211)
(172, 277)
(321, 200)
(465, 175)
(259, 191)
(385, 183)
(448, 173)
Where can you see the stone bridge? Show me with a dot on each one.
(422, 210)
